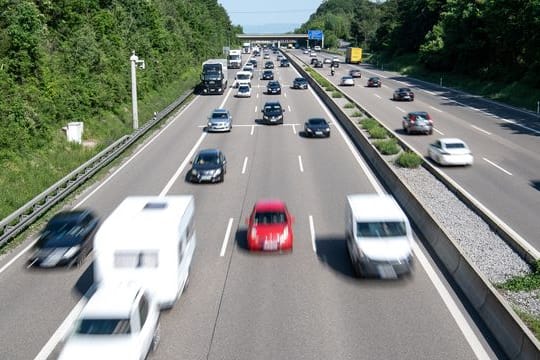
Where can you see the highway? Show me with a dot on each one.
(505, 141)
(239, 305)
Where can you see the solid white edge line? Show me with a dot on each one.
(245, 165)
(460, 320)
(226, 238)
(497, 166)
(300, 163)
(465, 328)
(312, 231)
(481, 130)
(186, 161)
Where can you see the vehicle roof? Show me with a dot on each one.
(375, 207)
(316, 119)
(70, 215)
(243, 73)
(403, 89)
(143, 222)
(272, 103)
(421, 113)
(220, 110)
(451, 140)
(111, 300)
(300, 79)
(269, 205)
(208, 152)
(374, 78)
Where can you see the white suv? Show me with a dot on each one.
(118, 322)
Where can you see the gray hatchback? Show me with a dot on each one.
(418, 121)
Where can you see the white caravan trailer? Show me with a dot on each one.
(149, 241)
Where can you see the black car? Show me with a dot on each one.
(66, 239)
(403, 94)
(284, 63)
(209, 165)
(267, 75)
(374, 82)
(273, 87)
(269, 65)
(317, 127)
(300, 83)
(254, 62)
(318, 64)
(314, 60)
(272, 113)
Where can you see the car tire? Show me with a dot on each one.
(156, 338)
(430, 132)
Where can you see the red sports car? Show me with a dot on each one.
(270, 227)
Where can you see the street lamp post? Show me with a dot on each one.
(134, 63)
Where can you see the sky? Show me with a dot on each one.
(269, 16)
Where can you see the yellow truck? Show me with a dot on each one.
(353, 55)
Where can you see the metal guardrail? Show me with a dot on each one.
(23, 217)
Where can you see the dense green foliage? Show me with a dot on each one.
(487, 39)
(387, 147)
(66, 60)
(409, 159)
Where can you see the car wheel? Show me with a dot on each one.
(430, 131)
(156, 338)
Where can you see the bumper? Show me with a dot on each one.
(421, 128)
(205, 178)
(384, 269)
(218, 128)
(456, 160)
(270, 246)
(317, 133)
(272, 121)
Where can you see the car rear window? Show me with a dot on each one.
(270, 217)
(381, 229)
(104, 327)
(454, 146)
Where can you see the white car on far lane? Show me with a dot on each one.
(118, 322)
(243, 91)
(450, 151)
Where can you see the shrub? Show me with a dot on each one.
(357, 114)
(369, 123)
(409, 159)
(378, 132)
(336, 94)
(349, 106)
(387, 147)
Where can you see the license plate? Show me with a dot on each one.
(318, 132)
(386, 272)
(270, 245)
(206, 177)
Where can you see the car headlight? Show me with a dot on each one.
(194, 172)
(70, 252)
(309, 130)
(217, 172)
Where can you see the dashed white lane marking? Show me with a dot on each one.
(400, 109)
(312, 231)
(497, 166)
(255, 108)
(434, 108)
(300, 163)
(252, 129)
(377, 96)
(288, 107)
(481, 130)
(245, 165)
(438, 131)
(294, 129)
(226, 238)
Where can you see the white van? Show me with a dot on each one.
(243, 78)
(149, 241)
(379, 236)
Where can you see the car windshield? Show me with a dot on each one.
(243, 89)
(242, 76)
(454, 146)
(207, 159)
(300, 80)
(381, 229)
(272, 108)
(220, 115)
(103, 327)
(270, 217)
(317, 122)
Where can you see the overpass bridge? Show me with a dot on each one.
(273, 38)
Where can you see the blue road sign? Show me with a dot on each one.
(315, 34)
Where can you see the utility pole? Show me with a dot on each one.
(134, 63)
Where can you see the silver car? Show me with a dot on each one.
(219, 120)
(347, 81)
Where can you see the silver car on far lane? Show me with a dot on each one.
(219, 120)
